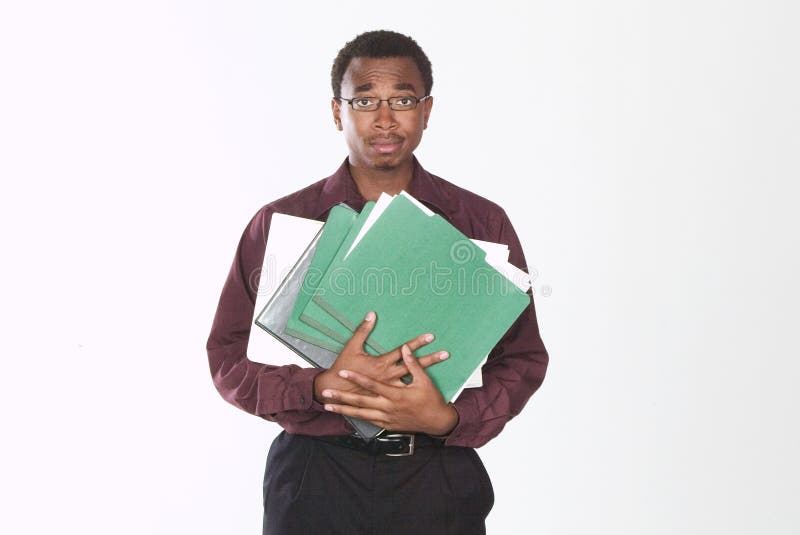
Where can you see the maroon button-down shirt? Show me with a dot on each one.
(284, 394)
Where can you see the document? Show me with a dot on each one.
(288, 237)
(420, 274)
(272, 319)
(340, 220)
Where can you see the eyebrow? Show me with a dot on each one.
(400, 86)
(404, 86)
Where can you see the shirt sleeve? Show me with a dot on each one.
(282, 394)
(514, 371)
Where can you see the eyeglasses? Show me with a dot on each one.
(395, 103)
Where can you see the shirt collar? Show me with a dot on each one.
(340, 187)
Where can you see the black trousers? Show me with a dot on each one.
(315, 487)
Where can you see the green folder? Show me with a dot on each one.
(308, 321)
(336, 228)
(420, 274)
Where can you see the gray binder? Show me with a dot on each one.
(276, 313)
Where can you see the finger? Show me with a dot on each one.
(397, 370)
(419, 341)
(433, 358)
(413, 366)
(428, 360)
(367, 384)
(365, 401)
(414, 344)
(375, 416)
(398, 383)
(362, 332)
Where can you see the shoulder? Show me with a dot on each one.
(301, 203)
(480, 217)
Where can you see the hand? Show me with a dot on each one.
(387, 368)
(417, 407)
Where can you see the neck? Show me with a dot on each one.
(372, 182)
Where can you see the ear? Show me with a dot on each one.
(428, 106)
(336, 108)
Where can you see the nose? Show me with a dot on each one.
(384, 117)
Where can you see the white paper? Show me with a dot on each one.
(427, 211)
(289, 236)
(381, 204)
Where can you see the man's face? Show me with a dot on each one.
(382, 139)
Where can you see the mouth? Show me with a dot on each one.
(386, 145)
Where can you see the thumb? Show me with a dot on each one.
(412, 364)
(362, 332)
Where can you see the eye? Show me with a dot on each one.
(363, 102)
(403, 103)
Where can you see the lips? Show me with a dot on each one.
(386, 145)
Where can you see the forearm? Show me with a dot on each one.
(282, 394)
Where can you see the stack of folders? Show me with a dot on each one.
(417, 272)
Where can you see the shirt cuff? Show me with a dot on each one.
(463, 434)
(298, 394)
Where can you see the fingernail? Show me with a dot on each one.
(329, 408)
(428, 337)
(327, 394)
(405, 350)
(444, 355)
(370, 316)
(343, 373)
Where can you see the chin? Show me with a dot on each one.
(387, 163)
(385, 166)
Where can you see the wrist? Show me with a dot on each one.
(447, 422)
(319, 385)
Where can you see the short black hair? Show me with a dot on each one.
(380, 44)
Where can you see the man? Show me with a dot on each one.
(425, 474)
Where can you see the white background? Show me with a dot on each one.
(646, 152)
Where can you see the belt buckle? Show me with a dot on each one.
(388, 438)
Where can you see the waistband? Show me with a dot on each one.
(390, 444)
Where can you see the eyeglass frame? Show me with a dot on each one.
(386, 100)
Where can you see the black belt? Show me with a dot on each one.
(392, 444)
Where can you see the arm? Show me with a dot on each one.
(514, 371)
(283, 394)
